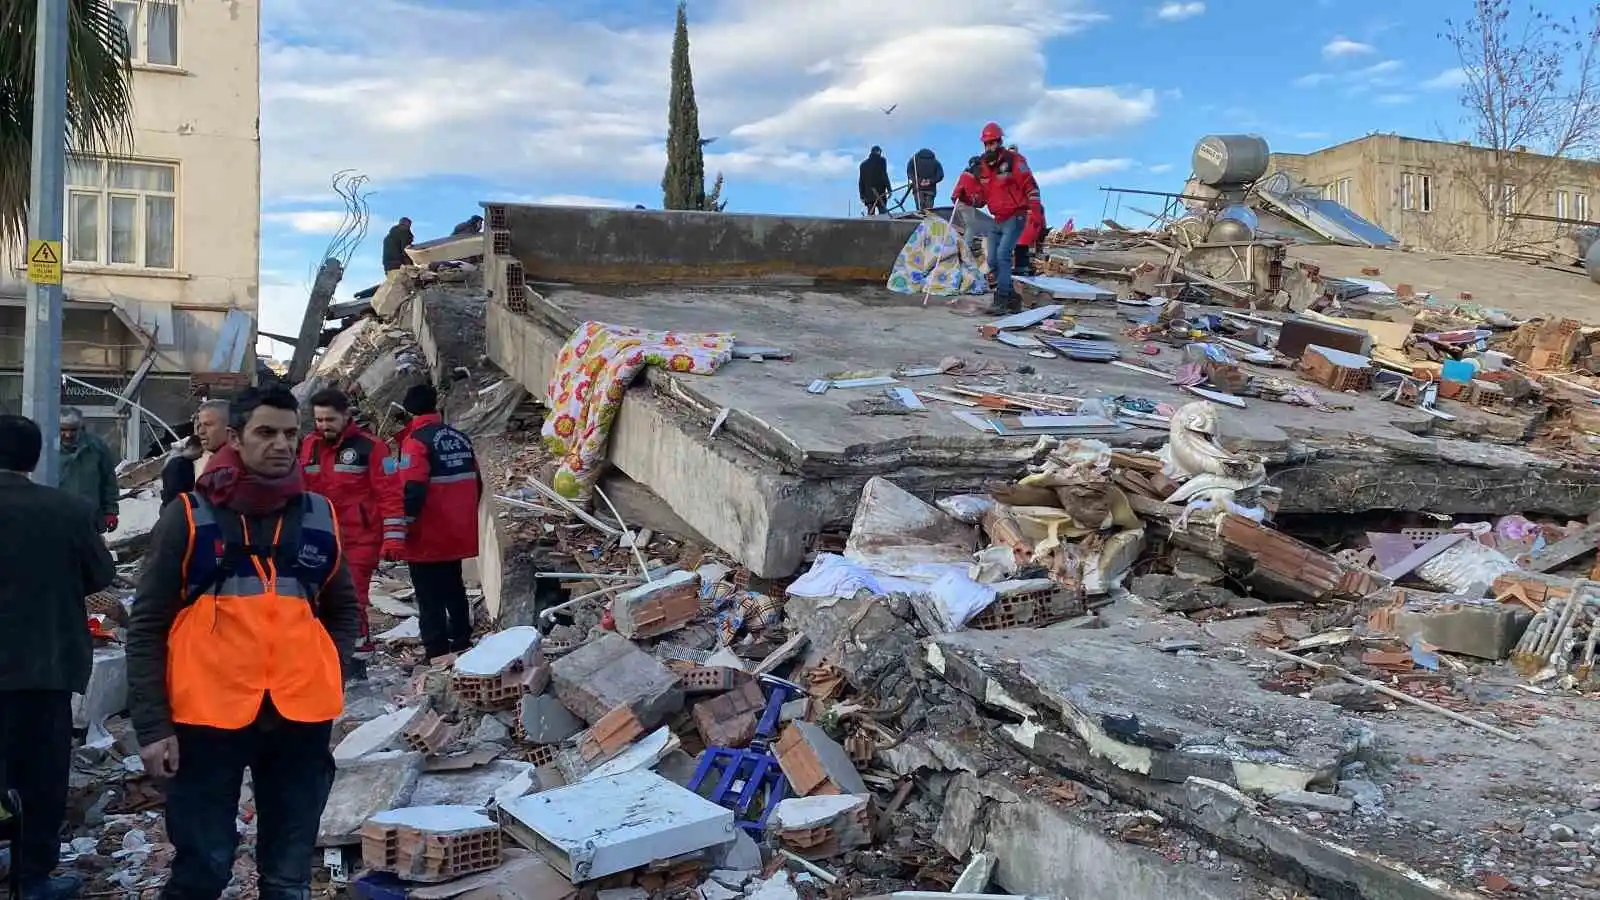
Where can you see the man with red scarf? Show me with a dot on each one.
(243, 617)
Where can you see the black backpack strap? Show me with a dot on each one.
(286, 555)
(234, 551)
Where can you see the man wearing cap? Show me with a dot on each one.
(1005, 184)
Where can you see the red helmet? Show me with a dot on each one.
(992, 132)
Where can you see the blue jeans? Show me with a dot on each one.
(1002, 247)
(292, 773)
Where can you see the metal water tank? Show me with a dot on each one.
(1230, 158)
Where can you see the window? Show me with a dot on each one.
(121, 213)
(152, 27)
(1342, 195)
(1508, 200)
(1580, 207)
(1416, 192)
(1563, 204)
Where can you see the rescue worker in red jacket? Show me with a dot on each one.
(433, 520)
(1007, 187)
(345, 463)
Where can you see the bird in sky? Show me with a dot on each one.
(891, 109)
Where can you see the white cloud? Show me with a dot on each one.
(1076, 171)
(1448, 80)
(1313, 79)
(1174, 12)
(1065, 115)
(1160, 168)
(406, 89)
(1339, 47)
(316, 221)
(580, 200)
(1377, 70)
(1394, 99)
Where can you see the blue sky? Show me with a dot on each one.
(446, 103)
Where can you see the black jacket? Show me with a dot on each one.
(177, 477)
(874, 181)
(394, 247)
(924, 167)
(158, 602)
(51, 558)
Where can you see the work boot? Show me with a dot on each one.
(1005, 304)
(60, 887)
(997, 307)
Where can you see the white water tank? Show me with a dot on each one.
(1221, 159)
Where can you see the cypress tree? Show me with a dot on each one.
(684, 184)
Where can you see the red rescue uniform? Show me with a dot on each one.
(434, 494)
(350, 473)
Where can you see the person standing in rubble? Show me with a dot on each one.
(241, 620)
(473, 225)
(924, 172)
(873, 184)
(88, 468)
(432, 523)
(51, 558)
(395, 244)
(1007, 187)
(189, 462)
(345, 463)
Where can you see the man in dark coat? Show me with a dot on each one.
(473, 225)
(924, 172)
(395, 244)
(874, 182)
(51, 557)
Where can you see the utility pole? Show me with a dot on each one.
(41, 372)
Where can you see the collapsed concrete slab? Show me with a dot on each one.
(364, 788)
(611, 672)
(1155, 714)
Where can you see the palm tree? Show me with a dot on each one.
(99, 95)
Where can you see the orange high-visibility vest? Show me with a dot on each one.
(249, 626)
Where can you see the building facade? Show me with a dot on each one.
(162, 243)
(1436, 195)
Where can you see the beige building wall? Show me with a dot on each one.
(1439, 196)
(190, 190)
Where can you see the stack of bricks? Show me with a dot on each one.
(730, 719)
(1336, 369)
(419, 850)
(1028, 608)
(657, 607)
(429, 734)
(815, 764)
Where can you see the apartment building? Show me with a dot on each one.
(161, 243)
(1438, 195)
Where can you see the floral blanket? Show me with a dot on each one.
(936, 259)
(595, 367)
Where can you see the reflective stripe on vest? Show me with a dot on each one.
(253, 631)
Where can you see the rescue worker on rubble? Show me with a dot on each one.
(873, 185)
(924, 172)
(345, 463)
(51, 558)
(88, 468)
(1005, 184)
(242, 617)
(473, 225)
(432, 520)
(395, 244)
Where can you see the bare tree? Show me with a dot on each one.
(1531, 98)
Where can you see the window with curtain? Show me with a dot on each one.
(152, 27)
(122, 213)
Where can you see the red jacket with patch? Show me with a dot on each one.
(350, 473)
(434, 490)
(1008, 187)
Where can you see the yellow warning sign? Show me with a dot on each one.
(44, 262)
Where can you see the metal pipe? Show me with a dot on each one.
(41, 368)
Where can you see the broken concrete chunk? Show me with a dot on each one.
(657, 607)
(543, 720)
(1486, 630)
(1174, 593)
(500, 652)
(363, 789)
(775, 888)
(430, 843)
(822, 826)
(609, 672)
(815, 763)
(1312, 800)
(895, 532)
(382, 733)
(1354, 697)
(1363, 792)
(712, 890)
(741, 856)
(975, 877)
(491, 731)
